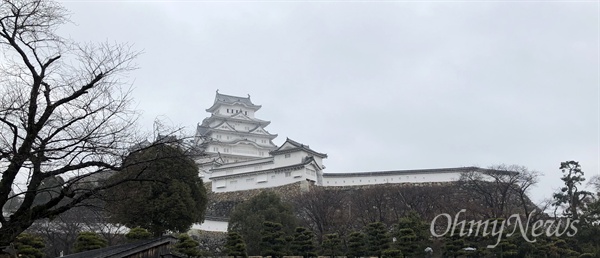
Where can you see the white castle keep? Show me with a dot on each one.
(239, 154)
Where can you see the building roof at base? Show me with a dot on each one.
(415, 171)
(125, 250)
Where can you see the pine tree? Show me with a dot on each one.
(356, 244)
(235, 245)
(331, 245)
(303, 243)
(248, 218)
(378, 238)
(187, 246)
(392, 253)
(89, 241)
(29, 246)
(273, 241)
(570, 195)
(138, 233)
(411, 234)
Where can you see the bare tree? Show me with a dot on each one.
(323, 210)
(64, 112)
(503, 189)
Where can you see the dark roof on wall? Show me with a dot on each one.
(415, 171)
(297, 146)
(124, 250)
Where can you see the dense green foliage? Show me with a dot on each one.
(356, 244)
(392, 253)
(187, 246)
(411, 234)
(378, 238)
(166, 193)
(248, 219)
(88, 241)
(571, 197)
(235, 245)
(273, 242)
(29, 246)
(138, 233)
(332, 245)
(303, 243)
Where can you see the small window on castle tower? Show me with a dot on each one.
(245, 112)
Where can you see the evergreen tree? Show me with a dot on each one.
(570, 195)
(407, 242)
(235, 245)
(303, 243)
(88, 241)
(356, 244)
(331, 245)
(392, 253)
(506, 248)
(411, 234)
(187, 246)
(378, 238)
(138, 233)
(273, 242)
(248, 218)
(558, 248)
(167, 193)
(29, 246)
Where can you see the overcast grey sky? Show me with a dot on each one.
(376, 85)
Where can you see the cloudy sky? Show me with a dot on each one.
(376, 85)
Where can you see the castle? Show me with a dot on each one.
(239, 154)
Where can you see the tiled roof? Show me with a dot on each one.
(304, 162)
(123, 250)
(233, 118)
(298, 146)
(414, 171)
(231, 100)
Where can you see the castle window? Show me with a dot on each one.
(245, 112)
(261, 153)
(288, 174)
(233, 182)
(287, 155)
(215, 149)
